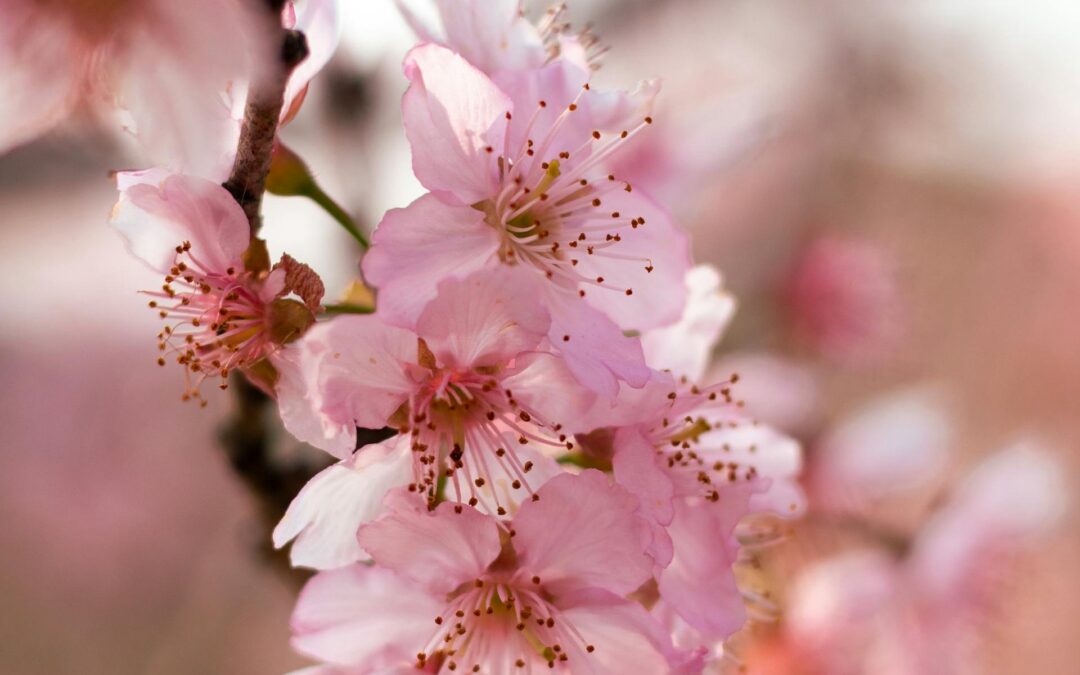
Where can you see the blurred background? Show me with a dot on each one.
(890, 191)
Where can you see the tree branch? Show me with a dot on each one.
(266, 96)
(246, 435)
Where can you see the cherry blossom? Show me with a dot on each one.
(475, 389)
(224, 308)
(698, 464)
(516, 179)
(543, 591)
(496, 35)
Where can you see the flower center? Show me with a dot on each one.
(473, 631)
(217, 323)
(466, 431)
(550, 207)
(690, 444)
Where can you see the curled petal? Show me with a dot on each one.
(685, 347)
(325, 516)
(155, 219)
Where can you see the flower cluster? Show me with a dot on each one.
(564, 487)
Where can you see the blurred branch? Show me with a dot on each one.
(247, 439)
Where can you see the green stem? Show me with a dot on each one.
(316, 194)
(346, 308)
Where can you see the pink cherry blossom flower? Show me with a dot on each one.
(698, 464)
(544, 591)
(843, 300)
(222, 314)
(516, 179)
(473, 388)
(170, 68)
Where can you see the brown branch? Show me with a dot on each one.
(266, 96)
(246, 435)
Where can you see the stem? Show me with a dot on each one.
(316, 194)
(246, 434)
(346, 308)
(266, 96)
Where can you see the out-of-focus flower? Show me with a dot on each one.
(891, 444)
(866, 612)
(472, 388)
(177, 71)
(516, 179)
(225, 306)
(842, 299)
(546, 591)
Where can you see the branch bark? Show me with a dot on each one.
(266, 96)
(246, 436)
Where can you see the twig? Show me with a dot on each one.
(245, 436)
(266, 96)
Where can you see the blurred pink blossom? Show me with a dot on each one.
(842, 299)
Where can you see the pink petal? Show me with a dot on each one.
(485, 319)
(700, 583)
(320, 22)
(625, 639)
(685, 348)
(776, 458)
(604, 549)
(492, 34)
(635, 468)
(452, 113)
(557, 84)
(594, 347)
(361, 378)
(299, 401)
(658, 296)
(543, 383)
(326, 514)
(416, 247)
(362, 616)
(438, 549)
(155, 219)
